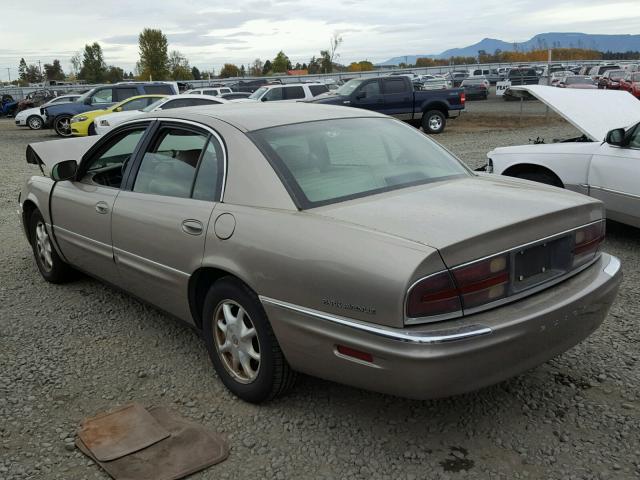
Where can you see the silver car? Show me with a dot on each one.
(331, 241)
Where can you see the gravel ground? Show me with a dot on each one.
(74, 350)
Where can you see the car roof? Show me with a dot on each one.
(193, 95)
(257, 115)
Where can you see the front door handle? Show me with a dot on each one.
(192, 227)
(102, 207)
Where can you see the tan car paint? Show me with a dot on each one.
(339, 274)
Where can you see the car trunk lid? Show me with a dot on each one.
(470, 218)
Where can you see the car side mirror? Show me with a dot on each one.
(264, 99)
(616, 137)
(87, 101)
(119, 109)
(65, 170)
(361, 95)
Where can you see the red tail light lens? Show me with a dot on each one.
(587, 242)
(462, 98)
(434, 295)
(484, 281)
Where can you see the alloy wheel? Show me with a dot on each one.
(35, 123)
(435, 122)
(43, 247)
(63, 127)
(236, 341)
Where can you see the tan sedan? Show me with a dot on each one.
(325, 240)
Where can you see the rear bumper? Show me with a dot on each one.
(450, 357)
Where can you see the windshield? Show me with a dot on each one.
(258, 93)
(349, 87)
(330, 161)
(155, 104)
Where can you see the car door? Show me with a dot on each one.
(161, 217)
(369, 96)
(81, 209)
(398, 97)
(614, 178)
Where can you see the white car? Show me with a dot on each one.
(32, 117)
(213, 91)
(292, 92)
(603, 163)
(104, 123)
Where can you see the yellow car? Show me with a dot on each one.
(82, 124)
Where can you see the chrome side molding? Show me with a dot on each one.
(403, 335)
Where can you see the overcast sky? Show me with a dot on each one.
(213, 32)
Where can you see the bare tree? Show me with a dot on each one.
(76, 63)
(335, 42)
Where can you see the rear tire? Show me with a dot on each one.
(52, 268)
(433, 122)
(62, 125)
(35, 122)
(241, 343)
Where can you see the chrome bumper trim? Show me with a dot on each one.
(437, 336)
(613, 266)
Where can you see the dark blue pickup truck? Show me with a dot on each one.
(396, 96)
(59, 116)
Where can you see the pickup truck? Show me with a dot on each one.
(397, 97)
(100, 98)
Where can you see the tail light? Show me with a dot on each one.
(462, 98)
(587, 242)
(483, 281)
(450, 293)
(434, 295)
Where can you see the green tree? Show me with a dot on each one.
(326, 65)
(267, 67)
(229, 70)
(314, 65)
(243, 71)
(22, 70)
(154, 60)
(33, 74)
(93, 68)
(53, 71)
(281, 63)
(114, 74)
(195, 73)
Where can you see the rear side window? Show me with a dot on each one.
(394, 85)
(209, 176)
(124, 93)
(293, 93)
(210, 92)
(164, 89)
(104, 95)
(137, 104)
(169, 168)
(318, 89)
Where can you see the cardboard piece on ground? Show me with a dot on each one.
(188, 449)
(120, 432)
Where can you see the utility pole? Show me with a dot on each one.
(9, 73)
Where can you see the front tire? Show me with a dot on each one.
(433, 121)
(52, 268)
(35, 122)
(62, 125)
(241, 343)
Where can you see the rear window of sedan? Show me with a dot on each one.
(329, 161)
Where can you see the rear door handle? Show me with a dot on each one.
(192, 227)
(102, 207)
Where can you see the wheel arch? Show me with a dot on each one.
(515, 170)
(436, 105)
(199, 284)
(28, 207)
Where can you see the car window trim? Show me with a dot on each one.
(99, 148)
(209, 132)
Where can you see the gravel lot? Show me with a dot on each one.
(74, 350)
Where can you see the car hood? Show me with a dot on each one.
(47, 154)
(472, 217)
(594, 113)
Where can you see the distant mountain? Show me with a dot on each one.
(603, 43)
